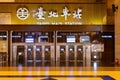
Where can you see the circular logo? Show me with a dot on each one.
(22, 13)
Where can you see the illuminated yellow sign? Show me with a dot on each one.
(41, 14)
(59, 14)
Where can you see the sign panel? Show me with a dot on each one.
(56, 14)
(60, 14)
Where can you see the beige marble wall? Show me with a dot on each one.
(117, 30)
(110, 14)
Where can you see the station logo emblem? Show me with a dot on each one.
(22, 13)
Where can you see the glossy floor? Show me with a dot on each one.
(59, 73)
(59, 64)
(96, 71)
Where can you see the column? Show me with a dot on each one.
(9, 48)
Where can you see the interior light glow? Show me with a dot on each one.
(95, 57)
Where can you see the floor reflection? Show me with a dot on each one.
(38, 64)
(61, 64)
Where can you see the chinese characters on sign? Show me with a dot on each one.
(53, 14)
(42, 14)
(65, 13)
(39, 14)
(77, 14)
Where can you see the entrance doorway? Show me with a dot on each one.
(20, 57)
(49, 49)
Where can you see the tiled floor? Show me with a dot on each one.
(59, 73)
